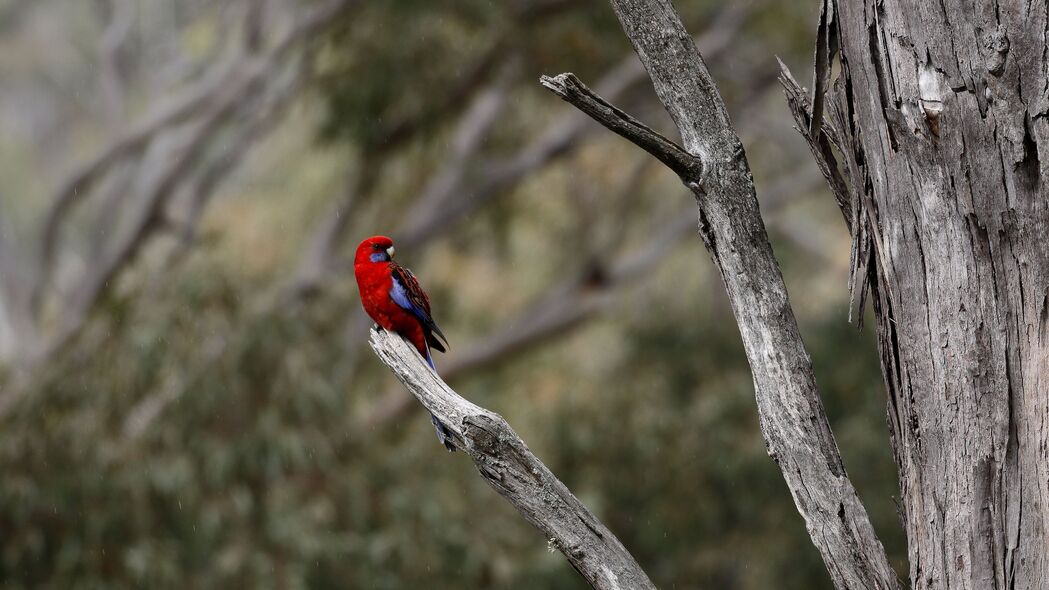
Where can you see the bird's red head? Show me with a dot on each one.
(376, 249)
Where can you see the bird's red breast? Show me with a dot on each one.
(392, 296)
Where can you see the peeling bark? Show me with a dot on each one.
(940, 114)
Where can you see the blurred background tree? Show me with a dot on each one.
(185, 402)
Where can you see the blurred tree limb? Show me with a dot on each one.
(506, 464)
(495, 178)
(793, 420)
(152, 178)
(563, 307)
(574, 301)
(450, 195)
(584, 297)
(147, 168)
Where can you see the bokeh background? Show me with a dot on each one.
(187, 399)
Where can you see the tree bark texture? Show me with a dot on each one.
(506, 464)
(939, 115)
(793, 422)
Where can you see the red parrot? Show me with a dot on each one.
(393, 298)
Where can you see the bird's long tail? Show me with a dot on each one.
(443, 434)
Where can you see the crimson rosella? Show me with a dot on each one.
(393, 298)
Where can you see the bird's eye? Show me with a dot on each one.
(376, 247)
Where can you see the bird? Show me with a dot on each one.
(392, 297)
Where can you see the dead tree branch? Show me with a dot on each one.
(568, 87)
(792, 417)
(506, 464)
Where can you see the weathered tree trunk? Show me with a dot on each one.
(940, 114)
(937, 117)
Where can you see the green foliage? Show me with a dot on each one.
(406, 61)
(376, 64)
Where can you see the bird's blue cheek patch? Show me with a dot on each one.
(379, 257)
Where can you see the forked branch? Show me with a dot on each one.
(793, 421)
(573, 91)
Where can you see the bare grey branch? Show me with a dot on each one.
(505, 463)
(793, 421)
(574, 92)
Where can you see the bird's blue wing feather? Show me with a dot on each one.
(399, 294)
(407, 294)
